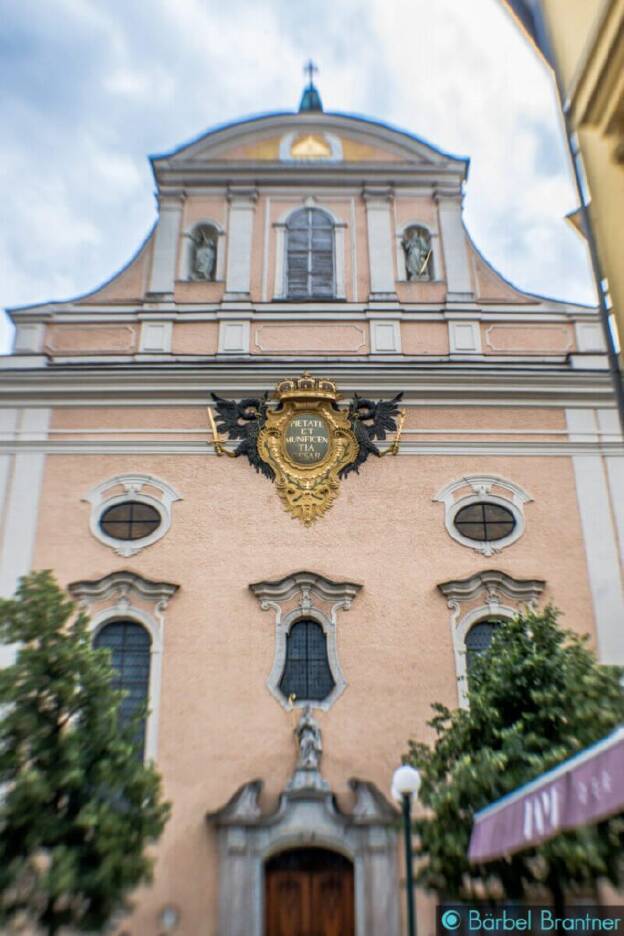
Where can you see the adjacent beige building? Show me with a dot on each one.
(584, 42)
(333, 245)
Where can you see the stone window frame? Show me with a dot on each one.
(320, 599)
(478, 490)
(126, 596)
(434, 239)
(133, 485)
(501, 596)
(186, 253)
(280, 285)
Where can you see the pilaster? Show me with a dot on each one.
(164, 259)
(379, 219)
(599, 535)
(453, 236)
(240, 233)
(21, 486)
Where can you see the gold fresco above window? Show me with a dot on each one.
(310, 146)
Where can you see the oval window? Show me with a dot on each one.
(484, 522)
(131, 520)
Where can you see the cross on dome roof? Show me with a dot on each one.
(310, 99)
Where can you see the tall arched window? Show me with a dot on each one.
(478, 640)
(306, 671)
(310, 255)
(130, 646)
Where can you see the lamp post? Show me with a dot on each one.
(405, 785)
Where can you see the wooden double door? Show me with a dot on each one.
(309, 892)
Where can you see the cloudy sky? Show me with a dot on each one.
(90, 87)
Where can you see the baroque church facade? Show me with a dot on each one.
(311, 265)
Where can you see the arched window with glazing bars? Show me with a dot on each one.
(130, 646)
(310, 270)
(478, 640)
(307, 674)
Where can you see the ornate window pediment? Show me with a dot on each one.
(124, 597)
(306, 657)
(484, 597)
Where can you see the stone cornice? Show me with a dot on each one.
(258, 174)
(537, 308)
(461, 383)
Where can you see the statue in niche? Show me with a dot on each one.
(204, 252)
(416, 243)
(310, 742)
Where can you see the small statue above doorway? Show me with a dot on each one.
(310, 749)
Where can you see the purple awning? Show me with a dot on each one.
(584, 789)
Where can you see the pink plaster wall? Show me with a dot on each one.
(363, 274)
(219, 725)
(195, 338)
(415, 292)
(490, 286)
(204, 208)
(129, 283)
(424, 337)
(416, 210)
(199, 291)
(539, 338)
(309, 338)
(91, 339)
(257, 251)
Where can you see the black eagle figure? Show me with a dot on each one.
(370, 421)
(243, 420)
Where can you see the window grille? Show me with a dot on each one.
(130, 520)
(310, 255)
(306, 672)
(485, 522)
(130, 645)
(478, 640)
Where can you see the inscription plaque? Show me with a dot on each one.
(307, 439)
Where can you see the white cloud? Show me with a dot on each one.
(87, 103)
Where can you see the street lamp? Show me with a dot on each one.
(405, 785)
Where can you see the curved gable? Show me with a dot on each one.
(261, 139)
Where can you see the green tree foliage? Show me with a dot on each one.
(77, 806)
(537, 696)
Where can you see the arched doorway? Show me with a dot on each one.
(309, 892)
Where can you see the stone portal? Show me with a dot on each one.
(272, 868)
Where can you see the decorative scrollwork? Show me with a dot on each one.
(307, 443)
